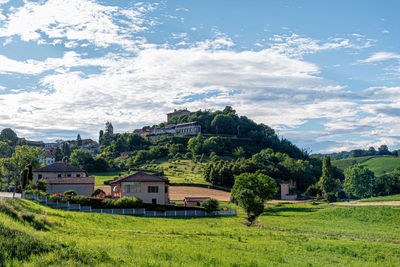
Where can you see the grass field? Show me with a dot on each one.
(287, 235)
(377, 164)
(182, 171)
(382, 198)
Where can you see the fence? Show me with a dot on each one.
(134, 212)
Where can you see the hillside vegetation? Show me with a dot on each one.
(293, 235)
(377, 164)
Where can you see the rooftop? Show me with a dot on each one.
(140, 177)
(59, 167)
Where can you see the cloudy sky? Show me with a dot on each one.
(324, 74)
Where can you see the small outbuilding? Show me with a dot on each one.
(194, 201)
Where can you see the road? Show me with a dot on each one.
(7, 194)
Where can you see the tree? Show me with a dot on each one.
(58, 154)
(251, 203)
(82, 157)
(210, 205)
(9, 136)
(78, 140)
(329, 185)
(239, 152)
(223, 124)
(66, 150)
(359, 181)
(5, 150)
(250, 191)
(383, 150)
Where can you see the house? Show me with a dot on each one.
(178, 113)
(149, 188)
(49, 158)
(285, 191)
(61, 177)
(194, 201)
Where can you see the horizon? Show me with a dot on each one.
(324, 75)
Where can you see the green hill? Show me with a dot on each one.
(287, 235)
(377, 164)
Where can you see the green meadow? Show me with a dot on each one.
(382, 198)
(286, 235)
(178, 171)
(377, 164)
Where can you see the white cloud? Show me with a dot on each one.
(385, 31)
(75, 20)
(381, 56)
(297, 45)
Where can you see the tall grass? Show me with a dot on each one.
(288, 235)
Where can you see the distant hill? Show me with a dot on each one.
(378, 164)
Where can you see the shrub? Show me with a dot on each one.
(42, 185)
(127, 202)
(210, 205)
(331, 197)
(313, 190)
(108, 203)
(71, 193)
(55, 197)
(84, 201)
(98, 192)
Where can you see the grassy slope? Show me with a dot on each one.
(382, 198)
(377, 164)
(184, 171)
(294, 235)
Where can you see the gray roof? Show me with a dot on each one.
(140, 177)
(59, 167)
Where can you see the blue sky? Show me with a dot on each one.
(324, 74)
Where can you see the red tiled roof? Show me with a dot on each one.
(70, 180)
(140, 177)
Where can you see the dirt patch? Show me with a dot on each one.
(274, 202)
(180, 192)
(363, 204)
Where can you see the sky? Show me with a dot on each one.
(323, 74)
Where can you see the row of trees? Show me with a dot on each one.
(382, 150)
(359, 182)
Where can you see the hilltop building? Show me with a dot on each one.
(178, 113)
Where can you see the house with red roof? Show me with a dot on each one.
(149, 188)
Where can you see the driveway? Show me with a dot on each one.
(7, 194)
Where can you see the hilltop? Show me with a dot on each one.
(379, 164)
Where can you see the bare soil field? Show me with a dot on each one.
(180, 192)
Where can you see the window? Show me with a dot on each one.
(166, 189)
(59, 175)
(152, 189)
(68, 175)
(131, 187)
(40, 176)
(78, 175)
(154, 201)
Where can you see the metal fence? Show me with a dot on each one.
(134, 212)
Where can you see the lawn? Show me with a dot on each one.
(101, 177)
(287, 234)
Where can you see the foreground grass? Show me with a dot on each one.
(382, 199)
(291, 235)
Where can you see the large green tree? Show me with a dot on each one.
(251, 190)
(329, 185)
(359, 181)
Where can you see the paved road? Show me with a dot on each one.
(6, 194)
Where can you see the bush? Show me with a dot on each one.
(331, 197)
(83, 201)
(313, 191)
(210, 205)
(108, 203)
(127, 202)
(98, 192)
(71, 193)
(42, 185)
